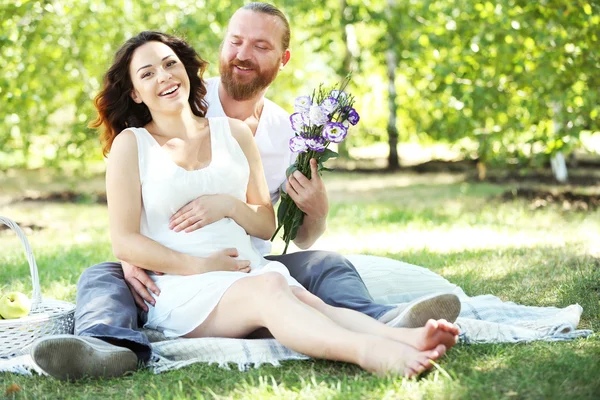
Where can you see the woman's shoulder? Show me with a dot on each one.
(125, 138)
(239, 130)
(124, 143)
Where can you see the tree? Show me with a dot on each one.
(481, 76)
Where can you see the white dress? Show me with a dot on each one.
(186, 301)
(272, 138)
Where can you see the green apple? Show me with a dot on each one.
(14, 305)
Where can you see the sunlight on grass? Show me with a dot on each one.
(433, 385)
(491, 362)
(61, 290)
(444, 218)
(339, 183)
(461, 230)
(269, 388)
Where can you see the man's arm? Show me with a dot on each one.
(310, 196)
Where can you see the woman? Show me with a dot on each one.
(163, 154)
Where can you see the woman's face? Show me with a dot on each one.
(159, 78)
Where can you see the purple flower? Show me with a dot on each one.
(329, 104)
(335, 132)
(299, 121)
(353, 117)
(302, 104)
(298, 144)
(338, 94)
(316, 144)
(317, 116)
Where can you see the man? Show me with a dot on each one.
(255, 48)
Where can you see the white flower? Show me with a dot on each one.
(329, 104)
(299, 121)
(338, 94)
(298, 144)
(302, 104)
(317, 116)
(335, 132)
(316, 144)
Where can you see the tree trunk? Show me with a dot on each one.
(392, 130)
(350, 54)
(557, 162)
(391, 60)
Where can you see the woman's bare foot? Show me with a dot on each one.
(385, 357)
(429, 336)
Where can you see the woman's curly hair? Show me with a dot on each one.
(117, 110)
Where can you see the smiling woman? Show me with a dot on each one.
(169, 75)
(117, 108)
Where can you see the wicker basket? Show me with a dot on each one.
(47, 317)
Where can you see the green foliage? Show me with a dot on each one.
(55, 54)
(510, 81)
(519, 76)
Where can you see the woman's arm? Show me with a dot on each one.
(256, 215)
(124, 195)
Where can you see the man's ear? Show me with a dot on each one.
(136, 97)
(285, 58)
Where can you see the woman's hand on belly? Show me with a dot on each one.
(201, 212)
(224, 260)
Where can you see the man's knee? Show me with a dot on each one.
(99, 271)
(328, 262)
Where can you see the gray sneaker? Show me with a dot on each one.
(416, 313)
(69, 357)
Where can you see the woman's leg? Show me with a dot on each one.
(267, 301)
(425, 338)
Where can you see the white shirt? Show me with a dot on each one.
(272, 137)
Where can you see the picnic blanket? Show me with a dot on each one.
(483, 319)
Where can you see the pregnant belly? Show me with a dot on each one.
(223, 234)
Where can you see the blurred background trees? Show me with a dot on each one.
(508, 83)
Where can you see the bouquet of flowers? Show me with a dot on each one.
(318, 120)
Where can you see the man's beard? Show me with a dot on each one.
(240, 91)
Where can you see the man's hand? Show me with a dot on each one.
(224, 260)
(201, 212)
(309, 195)
(140, 285)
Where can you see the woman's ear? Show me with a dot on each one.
(136, 97)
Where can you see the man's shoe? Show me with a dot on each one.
(69, 357)
(416, 313)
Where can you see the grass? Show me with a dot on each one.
(461, 230)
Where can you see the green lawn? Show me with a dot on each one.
(459, 229)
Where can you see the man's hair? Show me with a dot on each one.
(270, 9)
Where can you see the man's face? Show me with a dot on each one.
(251, 53)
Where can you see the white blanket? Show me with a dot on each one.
(483, 319)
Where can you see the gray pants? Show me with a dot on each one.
(106, 309)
